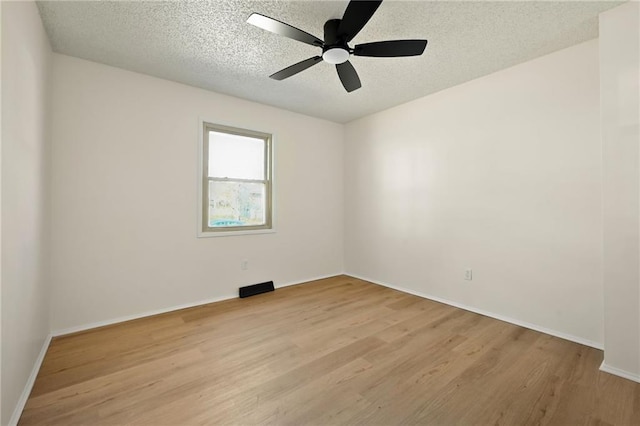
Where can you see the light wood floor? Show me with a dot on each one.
(335, 351)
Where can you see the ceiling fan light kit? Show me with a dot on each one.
(335, 55)
(335, 49)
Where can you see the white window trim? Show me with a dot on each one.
(199, 232)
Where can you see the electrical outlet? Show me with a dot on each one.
(468, 274)
(244, 264)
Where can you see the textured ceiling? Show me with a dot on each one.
(210, 45)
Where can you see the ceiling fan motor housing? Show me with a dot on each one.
(331, 32)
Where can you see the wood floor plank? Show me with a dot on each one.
(333, 351)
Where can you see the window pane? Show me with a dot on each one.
(236, 204)
(233, 156)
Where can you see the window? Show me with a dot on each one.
(236, 180)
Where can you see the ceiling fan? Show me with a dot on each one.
(335, 49)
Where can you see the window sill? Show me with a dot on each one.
(235, 233)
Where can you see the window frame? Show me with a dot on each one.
(204, 230)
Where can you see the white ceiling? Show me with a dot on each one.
(210, 45)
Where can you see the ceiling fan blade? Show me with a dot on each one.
(348, 76)
(391, 49)
(355, 18)
(280, 28)
(296, 68)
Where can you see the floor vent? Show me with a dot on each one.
(252, 290)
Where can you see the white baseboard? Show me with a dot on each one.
(618, 372)
(125, 318)
(518, 322)
(322, 277)
(17, 412)
(117, 320)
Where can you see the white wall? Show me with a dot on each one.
(125, 196)
(501, 174)
(26, 57)
(620, 106)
